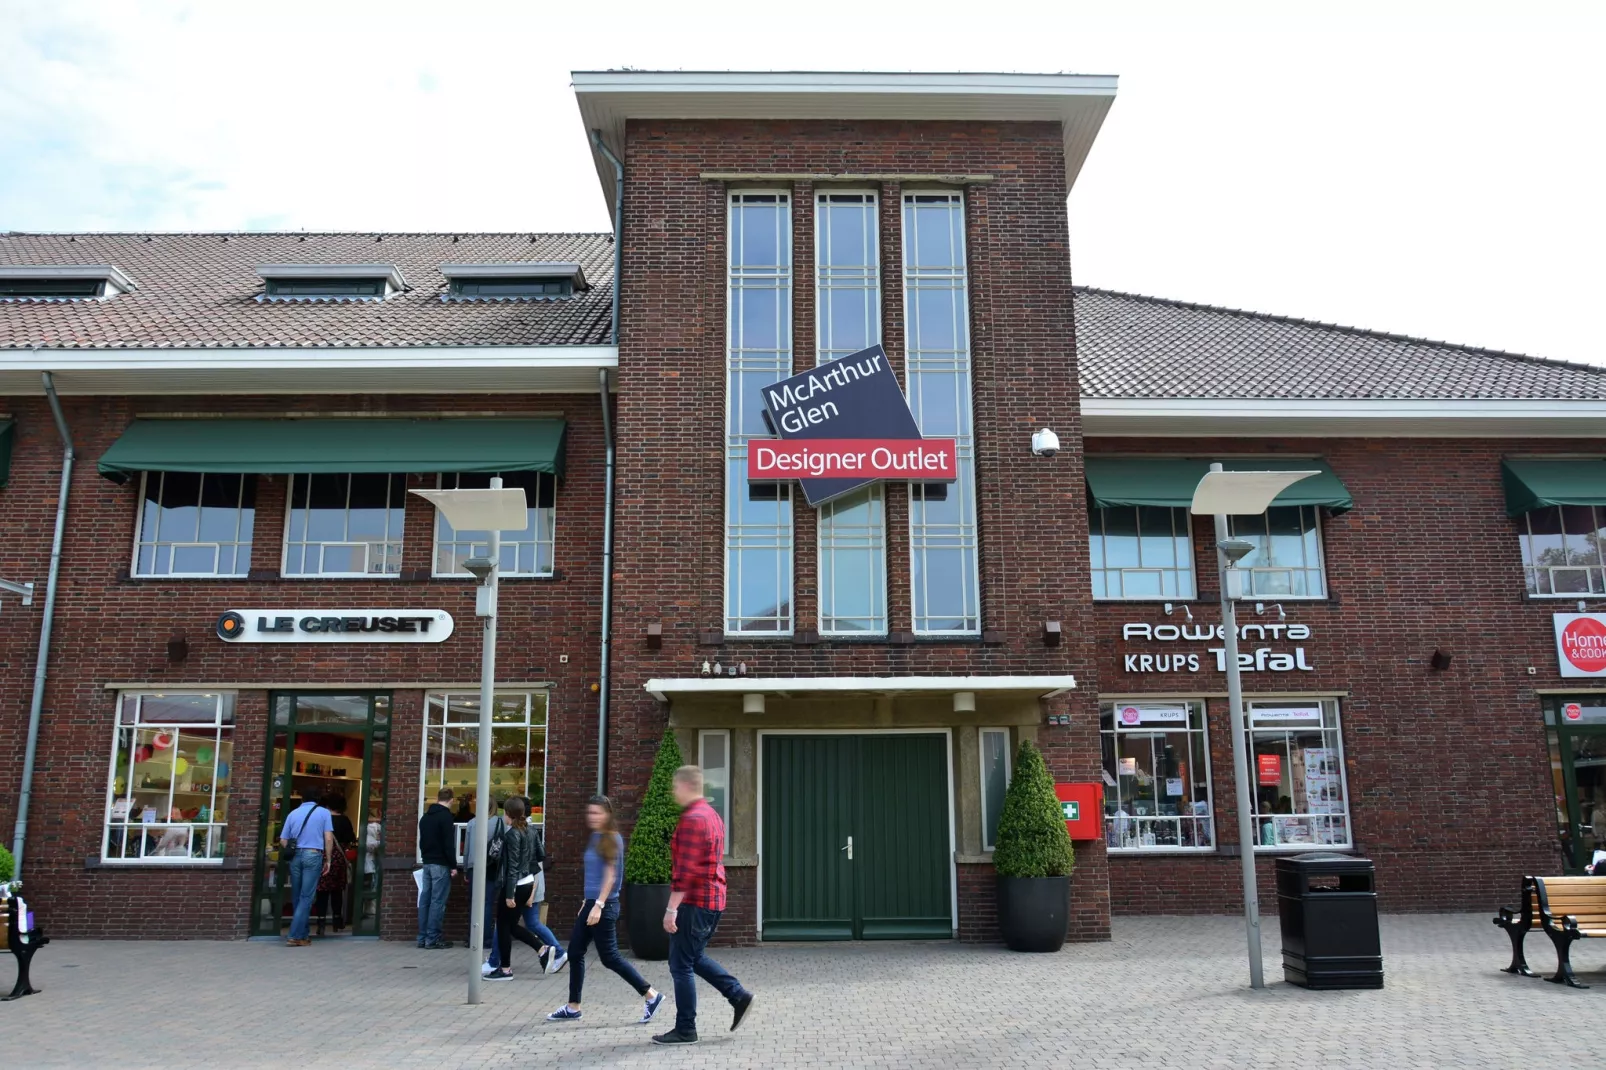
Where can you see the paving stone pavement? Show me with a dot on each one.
(1164, 993)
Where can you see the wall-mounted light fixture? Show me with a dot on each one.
(753, 703)
(1440, 660)
(655, 636)
(178, 648)
(1260, 607)
(1182, 606)
(964, 702)
(1051, 633)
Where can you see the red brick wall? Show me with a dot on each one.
(113, 629)
(669, 547)
(1448, 771)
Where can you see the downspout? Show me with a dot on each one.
(608, 475)
(20, 836)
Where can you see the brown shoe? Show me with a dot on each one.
(298, 943)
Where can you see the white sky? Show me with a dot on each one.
(1433, 169)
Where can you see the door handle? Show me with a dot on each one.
(849, 848)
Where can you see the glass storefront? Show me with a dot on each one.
(1576, 729)
(451, 751)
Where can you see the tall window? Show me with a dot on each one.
(714, 755)
(1298, 755)
(524, 553)
(1141, 552)
(168, 795)
(852, 529)
(345, 525)
(758, 516)
(994, 782)
(942, 517)
(195, 525)
(452, 749)
(1287, 559)
(1561, 550)
(1156, 777)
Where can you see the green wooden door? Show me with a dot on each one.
(887, 796)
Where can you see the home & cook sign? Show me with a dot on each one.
(1581, 643)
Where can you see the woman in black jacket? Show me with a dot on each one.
(521, 859)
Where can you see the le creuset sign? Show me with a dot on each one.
(843, 425)
(1256, 659)
(1581, 643)
(335, 626)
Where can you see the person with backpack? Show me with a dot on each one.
(308, 837)
(519, 862)
(551, 955)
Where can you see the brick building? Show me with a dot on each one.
(249, 412)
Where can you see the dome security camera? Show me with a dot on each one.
(1045, 443)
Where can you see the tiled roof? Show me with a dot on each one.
(200, 290)
(1130, 346)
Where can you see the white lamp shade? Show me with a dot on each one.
(753, 703)
(1242, 493)
(481, 510)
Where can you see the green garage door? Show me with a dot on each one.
(887, 795)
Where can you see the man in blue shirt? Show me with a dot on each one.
(308, 837)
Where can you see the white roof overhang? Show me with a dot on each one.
(1385, 418)
(665, 690)
(107, 273)
(389, 272)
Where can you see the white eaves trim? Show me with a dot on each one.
(841, 82)
(389, 272)
(110, 274)
(1044, 686)
(540, 269)
(1388, 418)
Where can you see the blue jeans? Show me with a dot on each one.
(688, 961)
(605, 933)
(432, 902)
(306, 869)
(532, 922)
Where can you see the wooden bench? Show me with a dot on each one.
(1570, 909)
(22, 945)
(1518, 924)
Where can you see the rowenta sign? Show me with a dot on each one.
(843, 425)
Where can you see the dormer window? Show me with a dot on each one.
(330, 282)
(526, 281)
(62, 282)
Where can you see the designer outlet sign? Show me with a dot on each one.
(1169, 658)
(843, 425)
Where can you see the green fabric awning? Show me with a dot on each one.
(1169, 482)
(313, 446)
(1539, 482)
(8, 431)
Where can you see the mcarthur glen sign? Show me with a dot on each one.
(1258, 659)
(843, 425)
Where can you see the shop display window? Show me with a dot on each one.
(1297, 769)
(714, 756)
(451, 751)
(345, 525)
(1156, 776)
(195, 525)
(1141, 552)
(1287, 559)
(524, 553)
(994, 782)
(168, 796)
(1561, 551)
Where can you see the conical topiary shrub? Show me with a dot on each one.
(647, 861)
(7, 865)
(1033, 858)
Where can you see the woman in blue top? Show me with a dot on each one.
(599, 915)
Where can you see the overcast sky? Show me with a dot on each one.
(1423, 168)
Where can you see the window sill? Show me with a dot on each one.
(175, 863)
(1170, 852)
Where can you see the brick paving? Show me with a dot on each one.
(1164, 993)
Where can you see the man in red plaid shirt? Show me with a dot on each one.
(696, 900)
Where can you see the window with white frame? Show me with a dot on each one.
(192, 524)
(524, 553)
(345, 525)
(994, 782)
(1156, 776)
(945, 580)
(1561, 551)
(758, 516)
(1141, 552)
(167, 797)
(714, 755)
(1301, 798)
(1287, 559)
(853, 528)
(452, 749)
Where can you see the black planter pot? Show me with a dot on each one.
(644, 920)
(1034, 912)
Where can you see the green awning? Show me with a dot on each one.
(1539, 482)
(8, 430)
(313, 446)
(1169, 482)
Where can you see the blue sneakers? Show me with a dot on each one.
(563, 1014)
(650, 1008)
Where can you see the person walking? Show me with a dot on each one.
(696, 901)
(551, 955)
(437, 850)
(309, 839)
(598, 920)
(337, 874)
(515, 886)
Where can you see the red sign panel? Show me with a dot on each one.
(930, 460)
(1581, 644)
(1573, 711)
(1271, 769)
(1083, 806)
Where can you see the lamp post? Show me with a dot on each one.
(492, 511)
(1222, 494)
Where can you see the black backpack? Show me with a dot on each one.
(493, 848)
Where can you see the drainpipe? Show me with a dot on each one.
(607, 499)
(20, 836)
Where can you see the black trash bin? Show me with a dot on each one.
(1327, 904)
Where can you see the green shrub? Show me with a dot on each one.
(1032, 838)
(647, 857)
(7, 865)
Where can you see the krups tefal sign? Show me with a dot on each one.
(335, 626)
(843, 425)
(1581, 643)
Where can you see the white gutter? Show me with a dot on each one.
(1360, 417)
(273, 357)
(1044, 686)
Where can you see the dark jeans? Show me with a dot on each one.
(432, 902)
(688, 961)
(508, 927)
(606, 935)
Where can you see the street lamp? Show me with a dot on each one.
(1222, 494)
(494, 511)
